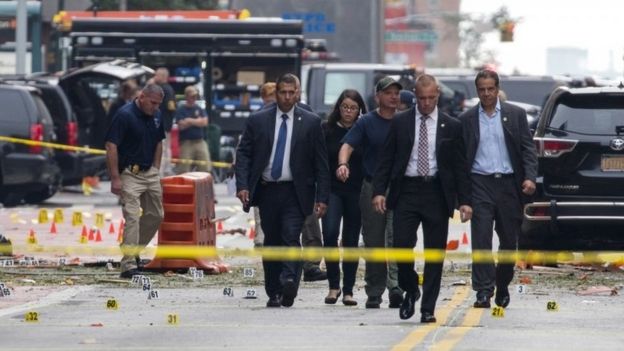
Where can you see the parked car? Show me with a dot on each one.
(27, 173)
(74, 165)
(322, 83)
(580, 198)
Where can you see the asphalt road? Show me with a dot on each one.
(74, 316)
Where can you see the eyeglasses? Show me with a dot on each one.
(349, 108)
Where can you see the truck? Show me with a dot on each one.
(226, 54)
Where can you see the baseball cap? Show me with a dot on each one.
(407, 97)
(386, 82)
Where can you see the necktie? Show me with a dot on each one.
(278, 160)
(423, 149)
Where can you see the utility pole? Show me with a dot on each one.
(21, 20)
(123, 5)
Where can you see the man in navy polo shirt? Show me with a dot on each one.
(133, 156)
(192, 120)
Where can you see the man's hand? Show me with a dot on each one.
(379, 204)
(116, 185)
(320, 209)
(528, 187)
(465, 213)
(243, 196)
(342, 173)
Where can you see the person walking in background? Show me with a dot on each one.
(133, 154)
(344, 196)
(407, 100)
(167, 108)
(369, 134)
(192, 121)
(423, 163)
(503, 163)
(281, 167)
(128, 90)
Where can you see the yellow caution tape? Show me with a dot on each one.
(333, 254)
(89, 150)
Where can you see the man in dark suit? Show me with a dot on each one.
(503, 165)
(424, 163)
(281, 167)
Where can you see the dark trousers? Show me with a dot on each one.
(281, 220)
(421, 202)
(496, 205)
(342, 207)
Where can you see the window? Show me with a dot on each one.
(336, 82)
(12, 106)
(589, 114)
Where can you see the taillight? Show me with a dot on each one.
(72, 133)
(553, 147)
(36, 134)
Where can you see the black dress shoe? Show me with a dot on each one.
(373, 301)
(427, 317)
(129, 273)
(502, 297)
(409, 303)
(289, 292)
(274, 301)
(314, 275)
(483, 300)
(396, 298)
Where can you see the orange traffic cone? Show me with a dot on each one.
(121, 226)
(111, 229)
(91, 234)
(252, 232)
(53, 228)
(464, 239)
(83, 235)
(98, 236)
(219, 227)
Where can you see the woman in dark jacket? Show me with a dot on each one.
(344, 197)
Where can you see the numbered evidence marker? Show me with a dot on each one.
(196, 273)
(4, 291)
(249, 272)
(250, 293)
(172, 319)
(112, 304)
(228, 292)
(152, 295)
(521, 289)
(498, 312)
(31, 317)
(552, 306)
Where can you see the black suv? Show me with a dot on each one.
(580, 197)
(27, 173)
(74, 165)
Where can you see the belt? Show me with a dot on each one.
(136, 168)
(496, 175)
(421, 179)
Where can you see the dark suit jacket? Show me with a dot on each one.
(450, 157)
(518, 139)
(308, 156)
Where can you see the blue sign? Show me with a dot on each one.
(313, 22)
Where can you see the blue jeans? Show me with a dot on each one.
(342, 207)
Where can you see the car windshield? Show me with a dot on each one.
(590, 114)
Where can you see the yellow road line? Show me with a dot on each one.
(442, 315)
(471, 319)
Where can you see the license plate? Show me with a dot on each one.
(612, 163)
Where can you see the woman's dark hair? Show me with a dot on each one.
(352, 94)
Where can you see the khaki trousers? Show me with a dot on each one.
(139, 191)
(196, 150)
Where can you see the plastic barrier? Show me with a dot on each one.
(188, 203)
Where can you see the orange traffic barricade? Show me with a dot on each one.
(188, 203)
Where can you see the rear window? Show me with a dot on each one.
(336, 82)
(13, 108)
(530, 92)
(589, 114)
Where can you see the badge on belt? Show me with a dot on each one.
(135, 169)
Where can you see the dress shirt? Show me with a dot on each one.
(286, 173)
(492, 155)
(432, 127)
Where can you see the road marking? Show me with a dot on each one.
(421, 331)
(471, 319)
(51, 299)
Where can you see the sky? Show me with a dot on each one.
(594, 25)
